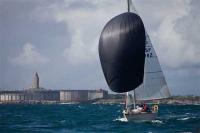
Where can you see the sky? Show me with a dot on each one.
(59, 40)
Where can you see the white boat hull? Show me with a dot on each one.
(143, 116)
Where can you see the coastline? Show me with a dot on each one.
(119, 99)
(174, 100)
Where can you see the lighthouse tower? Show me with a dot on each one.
(35, 81)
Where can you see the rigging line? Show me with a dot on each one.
(133, 9)
(154, 72)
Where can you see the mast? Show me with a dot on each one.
(128, 4)
(126, 100)
(134, 99)
(127, 95)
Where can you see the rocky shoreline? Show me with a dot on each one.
(176, 100)
(120, 99)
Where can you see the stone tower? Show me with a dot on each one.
(35, 81)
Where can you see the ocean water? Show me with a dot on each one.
(86, 118)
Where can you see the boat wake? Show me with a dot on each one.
(123, 119)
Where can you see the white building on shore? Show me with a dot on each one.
(39, 94)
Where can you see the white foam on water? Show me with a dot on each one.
(157, 121)
(183, 119)
(69, 103)
(174, 116)
(123, 119)
(80, 107)
(186, 118)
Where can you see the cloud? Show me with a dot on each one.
(71, 29)
(84, 21)
(170, 23)
(29, 56)
(175, 33)
(78, 52)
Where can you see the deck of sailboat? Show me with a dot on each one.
(147, 116)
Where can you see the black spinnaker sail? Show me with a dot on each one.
(122, 52)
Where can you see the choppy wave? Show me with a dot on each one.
(157, 121)
(93, 118)
(183, 119)
(186, 118)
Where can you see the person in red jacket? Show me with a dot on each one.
(144, 108)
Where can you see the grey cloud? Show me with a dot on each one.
(29, 56)
(61, 29)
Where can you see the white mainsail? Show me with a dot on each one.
(154, 85)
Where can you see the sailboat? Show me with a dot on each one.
(138, 73)
(154, 85)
